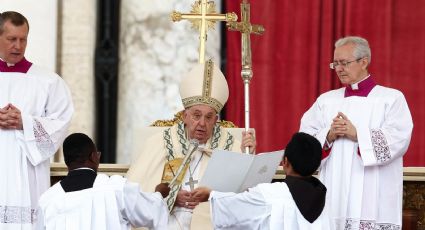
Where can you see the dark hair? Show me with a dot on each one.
(77, 148)
(15, 18)
(304, 152)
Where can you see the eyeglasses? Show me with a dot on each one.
(344, 64)
(209, 118)
(99, 153)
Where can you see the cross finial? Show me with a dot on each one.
(246, 28)
(203, 16)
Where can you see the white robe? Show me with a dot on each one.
(46, 108)
(364, 192)
(266, 206)
(112, 203)
(148, 170)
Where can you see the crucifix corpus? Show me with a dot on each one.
(203, 17)
(246, 29)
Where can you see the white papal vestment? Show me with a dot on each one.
(265, 207)
(46, 108)
(112, 203)
(167, 145)
(365, 178)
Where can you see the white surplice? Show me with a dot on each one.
(46, 108)
(266, 206)
(112, 203)
(364, 190)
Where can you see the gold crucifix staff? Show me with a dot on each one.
(246, 28)
(203, 16)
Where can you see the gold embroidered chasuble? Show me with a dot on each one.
(167, 145)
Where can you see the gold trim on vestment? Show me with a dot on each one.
(179, 117)
(205, 98)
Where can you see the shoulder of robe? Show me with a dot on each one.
(43, 73)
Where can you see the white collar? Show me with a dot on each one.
(83, 168)
(355, 86)
(8, 64)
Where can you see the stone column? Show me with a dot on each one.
(154, 55)
(77, 31)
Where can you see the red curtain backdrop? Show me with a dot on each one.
(291, 61)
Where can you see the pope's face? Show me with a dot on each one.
(355, 69)
(200, 121)
(13, 42)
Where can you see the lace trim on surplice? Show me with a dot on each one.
(380, 146)
(16, 215)
(353, 224)
(43, 141)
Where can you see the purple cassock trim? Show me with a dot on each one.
(21, 67)
(364, 88)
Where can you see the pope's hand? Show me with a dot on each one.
(184, 199)
(248, 140)
(201, 194)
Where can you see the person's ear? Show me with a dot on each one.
(365, 62)
(215, 118)
(185, 116)
(285, 161)
(287, 167)
(94, 157)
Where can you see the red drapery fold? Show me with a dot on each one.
(291, 61)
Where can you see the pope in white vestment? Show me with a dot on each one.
(365, 130)
(204, 91)
(148, 169)
(43, 102)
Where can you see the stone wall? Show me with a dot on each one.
(154, 55)
(77, 33)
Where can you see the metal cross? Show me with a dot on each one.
(203, 16)
(246, 29)
(191, 183)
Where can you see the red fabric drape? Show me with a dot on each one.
(291, 61)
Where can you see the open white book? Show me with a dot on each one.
(235, 172)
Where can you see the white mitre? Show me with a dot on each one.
(205, 84)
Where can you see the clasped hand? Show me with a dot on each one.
(191, 199)
(341, 127)
(10, 117)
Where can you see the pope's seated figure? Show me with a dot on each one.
(204, 92)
